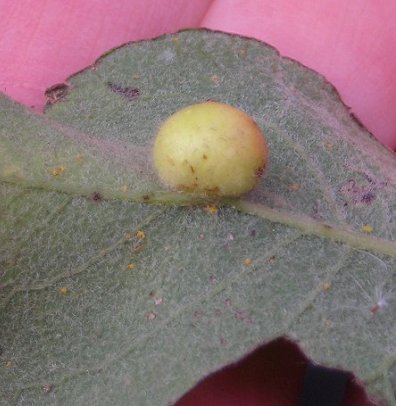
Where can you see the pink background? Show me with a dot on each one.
(352, 43)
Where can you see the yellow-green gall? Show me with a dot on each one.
(210, 148)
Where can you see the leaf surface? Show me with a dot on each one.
(105, 299)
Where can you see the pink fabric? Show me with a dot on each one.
(352, 43)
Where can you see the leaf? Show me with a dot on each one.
(105, 299)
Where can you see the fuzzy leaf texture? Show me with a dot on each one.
(108, 299)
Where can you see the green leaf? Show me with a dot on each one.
(94, 311)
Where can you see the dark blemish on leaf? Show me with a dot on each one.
(327, 227)
(192, 169)
(95, 197)
(259, 172)
(47, 388)
(56, 92)
(368, 197)
(198, 314)
(374, 309)
(128, 92)
(204, 156)
(253, 233)
(369, 179)
(212, 280)
(146, 198)
(271, 259)
(350, 186)
(361, 193)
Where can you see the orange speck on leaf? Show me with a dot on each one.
(295, 187)
(366, 228)
(63, 291)
(211, 209)
(326, 285)
(58, 171)
(247, 262)
(124, 188)
(8, 364)
(127, 237)
(131, 266)
(140, 234)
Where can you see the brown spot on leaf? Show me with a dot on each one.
(242, 53)
(294, 187)
(128, 92)
(56, 93)
(368, 197)
(212, 279)
(211, 209)
(198, 314)
(271, 259)
(259, 172)
(326, 285)
(47, 388)
(248, 262)
(95, 197)
(361, 193)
